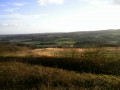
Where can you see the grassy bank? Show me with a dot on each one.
(15, 75)
(91, 69)
(98, 66)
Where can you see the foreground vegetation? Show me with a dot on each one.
(14, 75)
(92, 69)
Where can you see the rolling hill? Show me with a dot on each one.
(106, 38)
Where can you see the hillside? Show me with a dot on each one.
(78, 39)
(29, 68)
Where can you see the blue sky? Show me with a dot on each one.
(40, 16)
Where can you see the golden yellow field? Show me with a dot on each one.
(52, 52)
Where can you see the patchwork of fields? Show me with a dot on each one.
(105, 38)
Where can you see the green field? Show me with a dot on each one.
(105, 38)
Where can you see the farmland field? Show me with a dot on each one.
(106, 38)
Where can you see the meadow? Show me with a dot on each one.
(23, 68)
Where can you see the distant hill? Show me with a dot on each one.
(101, 38)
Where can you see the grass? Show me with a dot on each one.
(88, 66)
(92, 69)
(64, 42)
(14, 75)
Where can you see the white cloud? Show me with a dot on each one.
(11, 9)
(20, 4)
(20, 16)
(101, 18)
(45, 2)
(20, 21)
(9, 25)
(101, 2)
(96, 2)
(116, 2)
(4, 25)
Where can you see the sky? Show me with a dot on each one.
(45, 16)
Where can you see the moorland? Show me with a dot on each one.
(60, 61)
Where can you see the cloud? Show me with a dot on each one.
(11, 9)
(101, 2)
(15, 4)
(20, 16)
(46, 2)
(116, 2)
(4, 25)
(96, 2)
(9, 25)
(20, 4)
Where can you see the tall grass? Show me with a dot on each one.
(80, 65)
(12, 50)
(14, 75)
(96, 69)
(67, 53)
(89, 53)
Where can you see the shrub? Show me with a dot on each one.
(22, 76)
